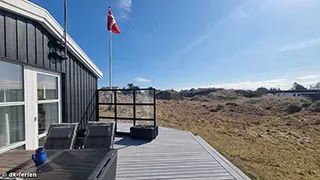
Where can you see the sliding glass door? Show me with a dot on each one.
(43, 104)
(30, 100)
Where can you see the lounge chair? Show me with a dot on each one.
(61, 136)
(99, 135)
(99, 122)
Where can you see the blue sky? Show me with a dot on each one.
(205, 43)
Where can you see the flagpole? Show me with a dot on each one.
(110, 63)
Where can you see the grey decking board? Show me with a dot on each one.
(174, 154)
(182, 176)
(197, 178)
(169, 173)
(237, 173)
(166, 165)
(157, 169)
(205, 178)
(177, 172)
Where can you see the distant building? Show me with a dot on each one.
(204, 89)
(113, 87)
(295, 93)
(193, 90)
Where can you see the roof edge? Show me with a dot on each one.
(41, 15)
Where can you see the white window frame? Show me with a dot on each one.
(15, 103)
(32, 104)
(58, 76)
(12, 146)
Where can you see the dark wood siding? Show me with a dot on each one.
(31, 43)
(11, 36)
(22, 39)
(27, 42)
(78, 89)
(39, 46)
(2, 35)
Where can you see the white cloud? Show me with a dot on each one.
(295, 46)
(281, 83)
(125, 8)
(309, 77)
(142, 80)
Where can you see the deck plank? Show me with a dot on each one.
(174, 154)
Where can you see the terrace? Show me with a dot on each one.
(169, 154)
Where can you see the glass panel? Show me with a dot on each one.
(11, 82)
(104, 96)
(125, 96)
(125, 111)
(47, 87)
(47, 114)
(106, 110)
(11, 125)
(144, 96)
(144, 112)
(41, 141)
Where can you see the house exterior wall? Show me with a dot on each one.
(285, 94)
(26, 42)
(312, 94)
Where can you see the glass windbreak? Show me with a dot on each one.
(47, 114)
(11, 82)
(47, 87)
(12, 127)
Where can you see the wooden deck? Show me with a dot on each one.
(174, 154)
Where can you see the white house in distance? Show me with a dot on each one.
(293, 93)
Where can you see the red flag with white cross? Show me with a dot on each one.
(112, 24)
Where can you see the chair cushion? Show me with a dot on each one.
(99, 130)
(60, 132)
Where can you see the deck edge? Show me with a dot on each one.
(229, 166)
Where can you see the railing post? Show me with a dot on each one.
(154, 108)
(134, 107)
(115, 110)
(97, 106)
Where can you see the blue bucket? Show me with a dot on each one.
(39, 156)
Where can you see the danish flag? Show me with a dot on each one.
(112, 24)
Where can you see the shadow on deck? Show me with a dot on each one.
(126, 141)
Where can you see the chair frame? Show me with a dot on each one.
(90, 123)
(73, 138)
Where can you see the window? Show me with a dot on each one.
(11, 82)
(48, 101)
(47, 114)
(47, 87)
(12, 127)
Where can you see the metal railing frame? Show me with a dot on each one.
(134, 104)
